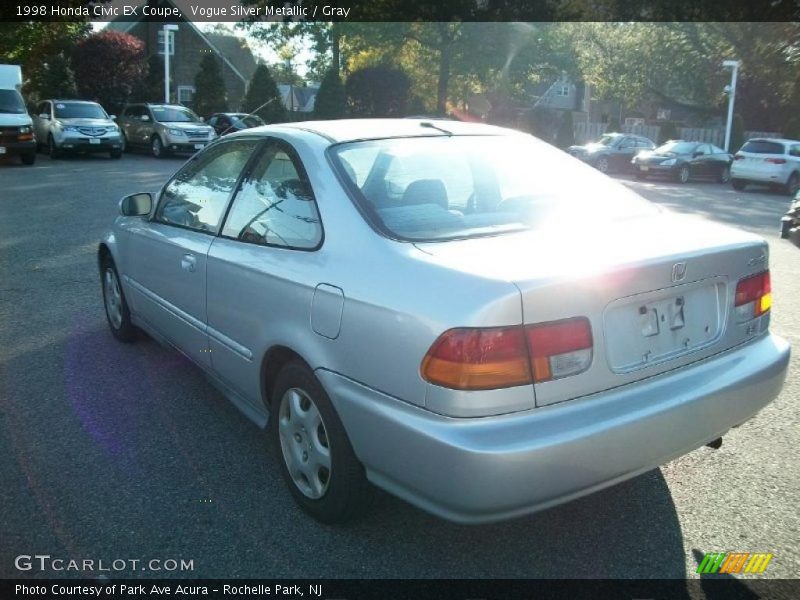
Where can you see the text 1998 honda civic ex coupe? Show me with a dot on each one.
(457, 313)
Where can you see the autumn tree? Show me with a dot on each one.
(109, 66)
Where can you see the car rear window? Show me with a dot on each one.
(453, 187)
(763, 147)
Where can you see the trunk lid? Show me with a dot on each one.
(658, 290)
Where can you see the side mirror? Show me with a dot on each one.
(144, 118)
(44, 116)
(112, 117)
(202, 119)
(136, 205)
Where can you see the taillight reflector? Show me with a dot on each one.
(777, 161)
(499, 357)
(753, 296)
(474, 359)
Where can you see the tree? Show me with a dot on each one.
(331, 99)
(263, 90)
(210, 95)
(378, 92)
(151, 87)
(109, 66)
(53, 79)
(566, 132)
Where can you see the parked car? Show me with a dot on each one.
(790, 223)
(164, 128)
(683, 160)
(224, 123)
(768, 161)
(75, 126)
(16, 127)
(612, 152)
(398, 300)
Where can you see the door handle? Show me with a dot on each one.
(188, 262)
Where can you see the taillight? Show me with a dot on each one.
(478, 359)
(753, 297)
(500, 357)
(776, 161)
(559, 348)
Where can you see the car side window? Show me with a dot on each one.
(197, 196)
(794, 150)
(704, 148)
(275, 205)
(213, 121)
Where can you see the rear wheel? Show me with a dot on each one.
(724, 175)
(123, 140)
(28, 159)
(793, 184)
(317, 461)
(640, 175)
(682, 174)
(738, 184)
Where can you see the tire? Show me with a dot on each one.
(52, 150)
(124, 142)
(601, 164)
(724, 175)
(157, 147)
(793, 184)
(640, 175)
(682, 174)
(28, 159)
(738, 184)
(116, 307)
(316, 459)
(115, 154)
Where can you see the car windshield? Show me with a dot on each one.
(248, 120)
(167, 114)
(677, 148)
(75, 110)
(11, 102)
(608, 140)
(438, 188)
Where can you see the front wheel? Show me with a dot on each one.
(317, 461)
(738, 184)
(52, 148)
(115, 153)
(117, 312)
(602, 164)
(28, 159)
(640, 175)
(157, 147)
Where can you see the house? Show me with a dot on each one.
(190, 45)
(299, 98)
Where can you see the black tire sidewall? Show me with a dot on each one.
(348, 491)
(153, 147)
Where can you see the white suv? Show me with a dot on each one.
(767, 160)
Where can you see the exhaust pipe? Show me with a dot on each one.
(715, 444)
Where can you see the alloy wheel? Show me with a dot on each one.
(683, 174)
(112, 297)
(602, 165)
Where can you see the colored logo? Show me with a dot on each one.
(734, 562)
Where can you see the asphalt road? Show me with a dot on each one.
(113, 451)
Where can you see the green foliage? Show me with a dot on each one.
(109, 66)
(53, 79)
(331, 99)
(210, 95)
(668, 131)
(737, 133)
(381, 91)
(566, 131)
(262, 92)
(613, 125)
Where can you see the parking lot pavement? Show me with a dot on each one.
(125, 451)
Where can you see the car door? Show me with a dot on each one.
(167, 262)
(266, 251)
(701, 161)
(622, 155)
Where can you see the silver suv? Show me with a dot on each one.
(164, 128)
(76, 126)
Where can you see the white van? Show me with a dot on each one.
(16, 127)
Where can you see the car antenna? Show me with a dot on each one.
(249, 115)
(430, 125)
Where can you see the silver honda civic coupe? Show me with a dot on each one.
(459, 314)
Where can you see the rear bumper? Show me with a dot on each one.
(775, 174)
(486, 469)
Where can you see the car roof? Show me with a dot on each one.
(778, 140)
(350, 130)
(72, 101)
